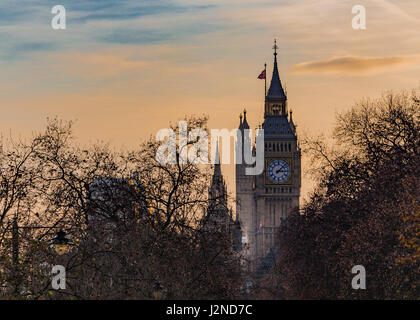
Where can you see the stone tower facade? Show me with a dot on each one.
(264, 201)
(217, 218)
(218, 215)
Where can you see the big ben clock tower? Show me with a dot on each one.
(265, 201)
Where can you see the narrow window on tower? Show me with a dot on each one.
(272, 213)
(274, 216)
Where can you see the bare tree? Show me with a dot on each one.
(133, 222)
(364, 211)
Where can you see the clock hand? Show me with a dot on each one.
(281, 168)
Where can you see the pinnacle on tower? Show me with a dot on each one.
(217, 170)
(245, 124)
(275, 92)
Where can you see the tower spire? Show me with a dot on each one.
(275, 92)
(217, 188)
(217, 170)
(245, 124)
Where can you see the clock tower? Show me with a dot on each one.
(265, 201)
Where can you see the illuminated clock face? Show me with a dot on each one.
(278, 171)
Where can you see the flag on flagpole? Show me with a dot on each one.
(262, 75)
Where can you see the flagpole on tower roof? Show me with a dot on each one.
(265, 80)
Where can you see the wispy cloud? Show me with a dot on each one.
(186, 29)
(352, 65)
(25, 29)
(96, 65)
(129, 10)
(20, 50)
(394, 9)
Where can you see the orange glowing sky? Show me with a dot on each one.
(125, 69)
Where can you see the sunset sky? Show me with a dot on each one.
(124, 69)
